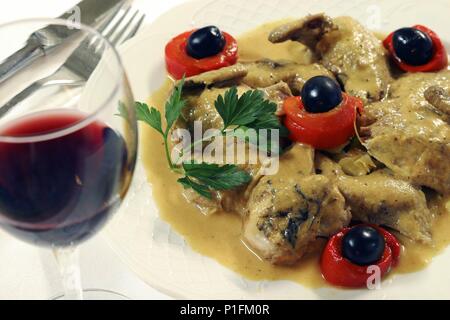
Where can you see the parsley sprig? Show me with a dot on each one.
(208, 176)
(250, 110)
(239, 114)
(152, 116)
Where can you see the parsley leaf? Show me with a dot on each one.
(245, 110)
(174, 105)
(150, 116)
(250, 111)
(217, 177)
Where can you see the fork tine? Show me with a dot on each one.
(105, 25)
(136, 28)
(117, 24)
(108, 20)
(120, 32)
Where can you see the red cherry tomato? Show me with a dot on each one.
(326, 130)
(438, 62)
(339, 271)
(179, 63)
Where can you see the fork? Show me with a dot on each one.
(122, 25)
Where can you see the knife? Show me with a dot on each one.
(43, 40)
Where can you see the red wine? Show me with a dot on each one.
(60, 190)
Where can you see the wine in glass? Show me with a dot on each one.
(66, 158)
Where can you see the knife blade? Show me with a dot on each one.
(43, 40)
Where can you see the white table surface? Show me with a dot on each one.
(28, 272)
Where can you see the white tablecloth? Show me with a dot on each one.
(28, 272)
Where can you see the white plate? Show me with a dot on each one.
(160, 256)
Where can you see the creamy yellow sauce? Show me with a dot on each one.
(219, 235)
(254, 45)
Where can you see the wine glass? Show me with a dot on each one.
(67, 152)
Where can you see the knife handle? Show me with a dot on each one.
(20, 59)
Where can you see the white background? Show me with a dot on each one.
(28, 272)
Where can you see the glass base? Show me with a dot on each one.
(98, 294)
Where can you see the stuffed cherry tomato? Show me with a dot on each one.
(198, 51)
(323, 116)
(416, 49)
(348, 255)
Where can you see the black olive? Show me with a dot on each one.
(205, 42)
(321, 94)
(413, 46)
(363, 245)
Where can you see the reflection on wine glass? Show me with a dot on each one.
(66, 158)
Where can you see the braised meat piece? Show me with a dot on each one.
(351, 52)
(287, 211)
(409, 134)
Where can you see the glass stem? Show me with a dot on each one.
(69, 268)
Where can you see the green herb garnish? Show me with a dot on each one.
(250, 110)
(217, 177)
(204, 177)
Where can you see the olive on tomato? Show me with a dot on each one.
(363, 245)
(321, 94)
(197, 51)
(323, 116)
(416, 49)
(351, 256)
(413, 46)
(205, 42)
